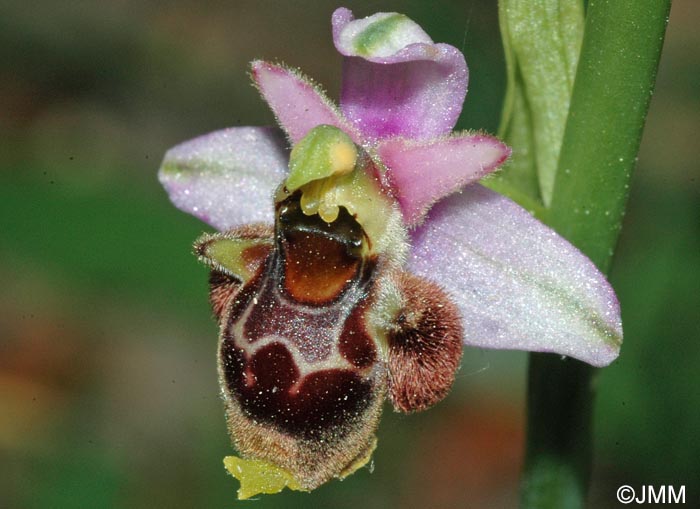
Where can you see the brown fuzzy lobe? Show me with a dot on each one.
(222, 287)
(425, 345)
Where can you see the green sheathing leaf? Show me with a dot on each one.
(518, 180)
(541, 40)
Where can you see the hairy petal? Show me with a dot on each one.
(421, 173)
(297, 103)
(517, 283)
(396, 81)
(227, 178)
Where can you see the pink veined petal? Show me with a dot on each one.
(227, 178)
(297, 104)
(518, 284)
(408, 86)
(422, 173)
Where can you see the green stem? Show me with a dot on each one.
(559, 450)
(614, 81)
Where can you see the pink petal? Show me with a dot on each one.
(415, 91)
(422, 173)
(518, 284)
(227, 178)
(296, 102)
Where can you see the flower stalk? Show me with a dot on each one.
(613, 86)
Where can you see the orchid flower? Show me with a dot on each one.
(353, 268)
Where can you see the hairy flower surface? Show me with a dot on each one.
(353, 268)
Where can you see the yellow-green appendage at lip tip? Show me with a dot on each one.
(262, 477)
(257, 476)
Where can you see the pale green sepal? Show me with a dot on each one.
(324, 152)
(542, 41)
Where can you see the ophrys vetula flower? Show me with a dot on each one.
(353, 268)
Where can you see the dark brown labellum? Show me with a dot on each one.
(301, 376)
(309, 345)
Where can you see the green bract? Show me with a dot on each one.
(541, 39)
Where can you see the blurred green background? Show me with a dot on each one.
(108, 390)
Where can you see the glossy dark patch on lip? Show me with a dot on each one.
(320, 259)
(355, 344)
(269, 390)
(317, 269)
(344, 230)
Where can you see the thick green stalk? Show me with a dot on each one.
(559, 433)
(613, 87)
(614, 81)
